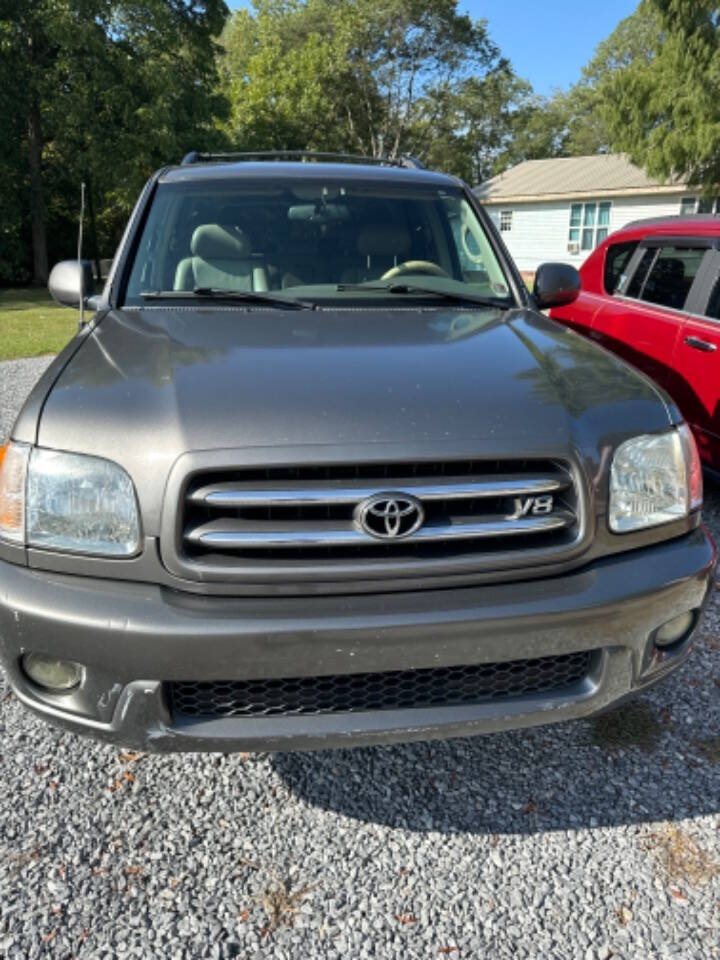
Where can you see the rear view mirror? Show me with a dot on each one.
(556, 285)
(319, 213)
(71, 282)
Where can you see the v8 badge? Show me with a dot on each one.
(535, 506)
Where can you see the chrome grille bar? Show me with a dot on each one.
(289, 494)
(244, 535)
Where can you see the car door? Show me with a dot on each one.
(695, 380)
(643, 320)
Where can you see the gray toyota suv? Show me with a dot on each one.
(319, 472)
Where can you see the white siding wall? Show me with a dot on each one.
(540, 230)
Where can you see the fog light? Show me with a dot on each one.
(57, 676)
(674, 629)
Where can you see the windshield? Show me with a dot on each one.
(313, 241)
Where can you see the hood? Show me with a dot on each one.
(149, 385)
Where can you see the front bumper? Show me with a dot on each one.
(133, 638)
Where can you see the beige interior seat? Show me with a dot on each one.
(221, 257)
(381, 246)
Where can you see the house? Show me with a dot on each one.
(561, 209)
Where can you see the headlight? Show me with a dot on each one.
(654, 479)
(67, 501)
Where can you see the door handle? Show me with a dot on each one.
(697, 344)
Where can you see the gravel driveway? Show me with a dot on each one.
(588, 840)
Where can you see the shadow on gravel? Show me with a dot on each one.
(630, 766)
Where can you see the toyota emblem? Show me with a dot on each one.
(390, 516)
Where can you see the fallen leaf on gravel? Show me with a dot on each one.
(126, 777)
(530, 806)
(49, 936)
(624, 915)
(132, 871)
(129, 757)
(682, 859)
(677, 894)
(405, 918)
(280, 902)
(245, 915)
(447, 950)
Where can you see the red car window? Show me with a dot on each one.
(617, 259)
(638, 281)
(713, 308)
(671, 276)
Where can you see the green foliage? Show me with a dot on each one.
(109, 89)
(663, 108)
(380, 77)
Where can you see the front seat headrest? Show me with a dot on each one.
(383, 240)
(212, 241)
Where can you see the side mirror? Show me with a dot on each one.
(556, 284)
(71, 281)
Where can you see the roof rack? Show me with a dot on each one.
(407, 161)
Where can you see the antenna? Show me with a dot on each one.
(79, 254)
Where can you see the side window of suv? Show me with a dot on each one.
(617, 259)
(665, 275)
(713, 308)
(638, 279)
(671, 276)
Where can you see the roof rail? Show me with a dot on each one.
(304, 155)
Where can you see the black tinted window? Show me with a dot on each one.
(636, 284)
(671, 276)
(713, 307)
(617, 259)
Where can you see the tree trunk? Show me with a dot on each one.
(37, 202)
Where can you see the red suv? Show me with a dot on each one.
(651, 294)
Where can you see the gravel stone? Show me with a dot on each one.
(557, 842)
(17, 377)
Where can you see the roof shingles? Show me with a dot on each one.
(567, 176)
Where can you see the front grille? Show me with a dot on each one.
(294, 516)
(391, 690)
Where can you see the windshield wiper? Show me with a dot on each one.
(409, 288)
(217, 293)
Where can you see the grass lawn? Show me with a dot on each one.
(32, 324)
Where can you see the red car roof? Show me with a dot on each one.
(703, 225)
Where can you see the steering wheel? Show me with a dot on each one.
(414, 266)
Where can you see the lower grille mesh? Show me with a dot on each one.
(392, 690)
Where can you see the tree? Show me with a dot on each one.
(663, 108)
(288, 80)
(381, 78)
(101, 90)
